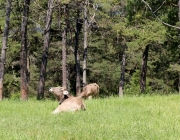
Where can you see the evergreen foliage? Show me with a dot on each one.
(113, 20)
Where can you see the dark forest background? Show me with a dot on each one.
(132, 46)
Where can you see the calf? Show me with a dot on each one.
(90, 91)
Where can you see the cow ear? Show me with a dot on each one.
(63, 88)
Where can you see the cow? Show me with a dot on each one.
(67, 102)
(89, 91)
(71, 104)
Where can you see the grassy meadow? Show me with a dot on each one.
(113, 118)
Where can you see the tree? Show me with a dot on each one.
(4, 46)
(77, 59)
(179, 82)
(122, 74)
(64, 43)
(179, 55)
(106, 19)
(144, 70)
(171, 22)
(85, 43)
(23, 60)
(64, 69)
(41, 84)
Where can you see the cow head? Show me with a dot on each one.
(58, 92)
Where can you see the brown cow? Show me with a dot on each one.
(90, 91)
(67, 102)
(71, 104)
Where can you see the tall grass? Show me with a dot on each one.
(128, 118)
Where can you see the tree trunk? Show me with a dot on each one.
(64, 70)
(122, 77)
(77, 59)
(179, 83)
(179, 9)
(41, 84)
(179, 60)
(144, 70)
(64, 35)
(23, 60)
(85, 44)
(4, 46)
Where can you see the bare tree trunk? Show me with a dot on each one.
(41, 84)
(4, 46)
(77, 59)
(85, 44)
(122, 77)
(144, 70)
(64, 69)
(64, 34)
(23, 61)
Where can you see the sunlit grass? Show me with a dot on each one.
(151, 117)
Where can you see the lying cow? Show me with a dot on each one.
(69, 103)
(89, 91)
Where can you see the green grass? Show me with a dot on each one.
(128, 118)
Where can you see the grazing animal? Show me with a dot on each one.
(89, 91)
(67, 102)
(58, 92)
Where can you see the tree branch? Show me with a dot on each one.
(160, 6)
(158, 17)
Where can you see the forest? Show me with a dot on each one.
(127, 47)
